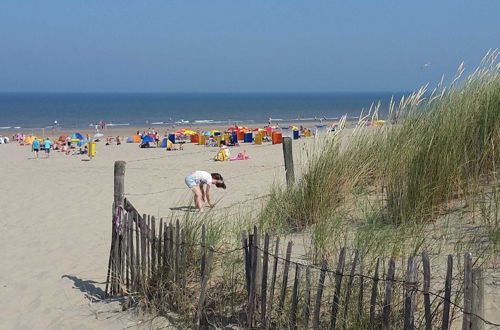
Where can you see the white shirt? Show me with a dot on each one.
(202, 176)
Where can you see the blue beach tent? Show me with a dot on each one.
(164, 143)
(147, 138)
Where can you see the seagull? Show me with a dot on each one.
(425, 65)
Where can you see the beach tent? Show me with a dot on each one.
(29, 139)
(77, 136)
(134, 139)
(164, 143)
(147, 138)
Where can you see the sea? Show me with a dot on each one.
(24, 111)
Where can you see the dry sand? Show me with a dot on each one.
(56, 222)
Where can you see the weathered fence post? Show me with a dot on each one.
(319, 295)
(265, 266)
(253, 279)
(288, 155)
(447, 294)
(389, 282)
(477, 300)
(373, 298)
(410, 294)
(119, 183)
(349, 288)
(427, 285)
(307, 300)
(466, 324)
(285, 276)
(339, 274)
(118, 201)
(273, 281)
(295, 298)
(203, 289)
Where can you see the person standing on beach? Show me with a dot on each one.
(36, 147)
(47, 144)
(199, 182)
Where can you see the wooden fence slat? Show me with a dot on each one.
(153, 245)
(410, 294)
(159, 248)
(126, 261)
(177, 247)
(263, 295)
(166, 265)
(447, 294)
(203, 250)
(132, 253)
(253, 275)
(389, 283)
(373, 298)
(203, 289)
(427, 285)
(172, 249)
(361, 288)
(184, 249)
(245, 243)
(295, 298)
(338, 286)
(307, 298)
(477, 307)
(466, 325)
(349, 287)
(273, 280)
(148, 245)
(285, 276)
(319, 295)
(138, 276)
(144, 271)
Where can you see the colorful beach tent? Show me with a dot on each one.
(77, 136)
(134, 139)
(30, 139)
(164, 143)
(147, 138)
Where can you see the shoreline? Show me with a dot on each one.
(161, 129)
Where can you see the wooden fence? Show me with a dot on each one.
(151, 259)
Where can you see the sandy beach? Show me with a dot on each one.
(56, 216)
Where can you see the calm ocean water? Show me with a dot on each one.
(36, 110)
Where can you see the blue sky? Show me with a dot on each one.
(239, 46)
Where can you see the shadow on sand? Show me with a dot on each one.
(92, 292)
(189, 208)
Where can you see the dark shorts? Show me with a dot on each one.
(36, 149)
(47, 150)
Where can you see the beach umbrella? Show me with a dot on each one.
(77, 136)
(147, 138)
(30, 139)
(98, 135)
